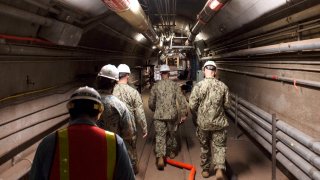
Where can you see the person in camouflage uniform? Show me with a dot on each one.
(208, 100)
(133, 101)
(116, 117)
(163, 101)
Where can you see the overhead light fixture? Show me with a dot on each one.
(139, 37)
(161, 42)
(201, 36)
(215, 5)
(93, 8)
(154, 47)
(135, 5)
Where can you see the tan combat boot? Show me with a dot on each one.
(160, 163)
(220, 175)
(205, 173)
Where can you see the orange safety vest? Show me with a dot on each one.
(84, 152)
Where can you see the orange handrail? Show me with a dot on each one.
(183, 165)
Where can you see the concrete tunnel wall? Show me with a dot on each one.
(47, 74)
(18, 126)
(296, 105)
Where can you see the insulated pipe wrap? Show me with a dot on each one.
(204, 17)
(133, 14)
(310, 44)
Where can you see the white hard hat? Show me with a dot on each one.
(123, 68)
(86, 93)
(164, 68)
(109, 71)
(209, 63)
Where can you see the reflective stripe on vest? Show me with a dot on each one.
(64, 154)
(111, 157)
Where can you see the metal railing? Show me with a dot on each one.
(296, 151)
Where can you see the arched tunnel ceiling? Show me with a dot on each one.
(234, 15)
(103, 28)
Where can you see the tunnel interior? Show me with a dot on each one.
(267, 53)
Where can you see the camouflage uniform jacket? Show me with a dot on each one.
(133, 100)
(116, 117)
(209, 99)
(163, 100)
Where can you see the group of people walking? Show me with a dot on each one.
(100, 140)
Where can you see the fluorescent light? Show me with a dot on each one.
(139, 37)
(161, 42)
(214, 4)
(91, 7)
(201, 36)
(154, 47)
(135, 5)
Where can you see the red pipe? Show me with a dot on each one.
(183, 165)
(18, 38)
(117, 5)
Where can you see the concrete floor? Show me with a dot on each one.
(246, 160)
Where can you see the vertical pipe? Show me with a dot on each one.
(274, 148)
(236, 116)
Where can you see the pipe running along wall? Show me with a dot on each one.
(132, 13)
(313, 84)
(299, 174)
(293, 145)
(310, 44)
(292, 19)
(208, 11)
(58, 51)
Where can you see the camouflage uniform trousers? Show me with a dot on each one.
(131, 145)
(165, 137)
(218, 140)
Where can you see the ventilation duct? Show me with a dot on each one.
(132, 13)
(87, 7)
(55, 31)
